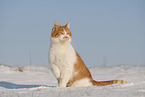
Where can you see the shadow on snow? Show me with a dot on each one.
(10, 85)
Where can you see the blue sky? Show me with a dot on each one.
(113, 30)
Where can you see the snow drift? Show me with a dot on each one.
(38, 81)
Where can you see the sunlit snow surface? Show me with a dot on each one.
(40, 82)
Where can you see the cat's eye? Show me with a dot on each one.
(68, 33)
(62, 33)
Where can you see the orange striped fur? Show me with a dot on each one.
(83, 72)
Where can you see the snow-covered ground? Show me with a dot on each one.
(40, 82)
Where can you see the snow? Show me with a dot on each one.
(39, 81)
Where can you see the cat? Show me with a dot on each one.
(66, 64)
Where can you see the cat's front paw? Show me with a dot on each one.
(62, 85)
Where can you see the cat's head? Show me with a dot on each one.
(61, 34)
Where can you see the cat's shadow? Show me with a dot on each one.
(10, 85)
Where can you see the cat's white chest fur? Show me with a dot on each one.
(62, 59)
(62, 55)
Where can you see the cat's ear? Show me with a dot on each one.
(55, 26)
(68, 25)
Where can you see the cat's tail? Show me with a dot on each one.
(104, 83)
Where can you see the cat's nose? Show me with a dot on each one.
(65, 37)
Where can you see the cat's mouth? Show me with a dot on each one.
(66, 38)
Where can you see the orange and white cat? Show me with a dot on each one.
(66, 64)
